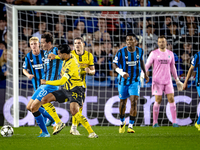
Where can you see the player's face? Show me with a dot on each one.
(44, 44)
(78, 45)
(34, 46)
(130, 41)
(61, 55)
(162, 43)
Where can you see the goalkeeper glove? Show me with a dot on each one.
(179, 85)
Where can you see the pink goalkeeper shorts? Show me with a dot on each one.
(158, 89)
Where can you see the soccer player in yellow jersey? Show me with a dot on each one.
(73, 91)
(86, 62)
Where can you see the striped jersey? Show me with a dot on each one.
(196, 63)
(34, 65)
(130, 63)
(52, 68)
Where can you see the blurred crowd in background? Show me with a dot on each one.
(104, 33)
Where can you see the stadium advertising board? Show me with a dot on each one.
(106, 108)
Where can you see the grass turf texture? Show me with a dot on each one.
(145, 138)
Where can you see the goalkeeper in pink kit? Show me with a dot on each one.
(163, 66)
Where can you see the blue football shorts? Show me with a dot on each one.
(126, 91)
(43, 90)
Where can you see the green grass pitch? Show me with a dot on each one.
(169, 138)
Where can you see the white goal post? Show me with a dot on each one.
(15, 10)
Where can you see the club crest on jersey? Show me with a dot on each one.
(126, 57)
(137, 56)
(168, 56)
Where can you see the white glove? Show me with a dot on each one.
(142, 75)
(179, 85)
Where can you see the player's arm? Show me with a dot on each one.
(90, 70)
(53, 56)
(174, 73)
(25, 72)
(144, 70)
(193, 65)
(150, 61)
(62, 81)
(120, 71)
(116, 65)
(188, 77)
(25, 67)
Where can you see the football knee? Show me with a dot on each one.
(44, 100)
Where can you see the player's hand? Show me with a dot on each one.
(87, 70)
(51, 56)
(43, 81)
(179, 85)
(147, 78)
(30, 76)
(126, 75)
(184, 86)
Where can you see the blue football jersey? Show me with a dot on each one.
(52, 68)
(34, 64)
(130, 63)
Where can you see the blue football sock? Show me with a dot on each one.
(45, 113)
(122, 119)
(41, 124)
(131, 120)
(198, 121)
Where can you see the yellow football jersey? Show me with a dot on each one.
(71, 70)
(84, 61)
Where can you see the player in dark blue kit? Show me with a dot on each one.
(128, 63)
(195, 64)
(51, 72)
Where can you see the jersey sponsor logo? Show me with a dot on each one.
(38, 66)
(132, 63)
(163, 61)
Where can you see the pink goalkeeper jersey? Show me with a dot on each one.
(163, 65)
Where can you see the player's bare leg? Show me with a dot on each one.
(51, 109)
(122, 109)
(74, 109)
(133, 113)
(156, 108)
(39, 118)
(28, 106)
(75, 123)
(172, 106)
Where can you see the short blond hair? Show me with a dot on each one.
(33, 39)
